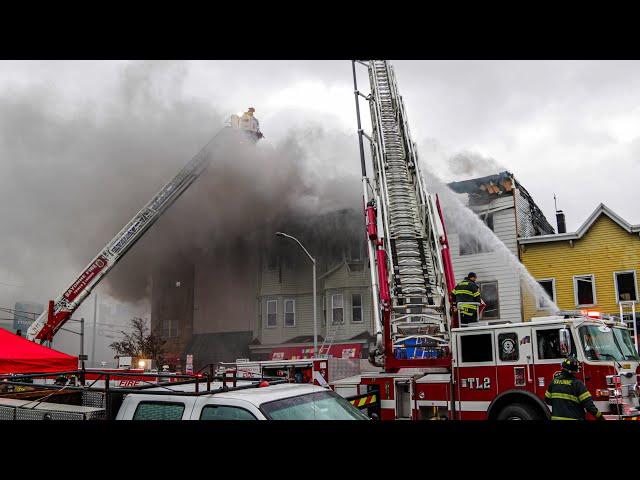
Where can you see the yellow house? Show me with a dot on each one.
(593, 268)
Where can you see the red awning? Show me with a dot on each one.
(19, 355)
(341, 350)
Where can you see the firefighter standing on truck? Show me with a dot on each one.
(568, 396)
(467, 291)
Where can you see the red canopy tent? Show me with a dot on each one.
(19, 355)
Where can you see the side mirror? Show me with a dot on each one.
(565, 341)
(374, 416)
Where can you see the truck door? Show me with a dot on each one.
(515, 359)
(403, 399)
(547, 355)
(476, 376)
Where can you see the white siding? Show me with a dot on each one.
(492, 266)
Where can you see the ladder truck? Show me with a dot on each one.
(60, 310)
(432, 367)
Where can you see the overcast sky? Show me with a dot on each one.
(569, 128)
(564, 127)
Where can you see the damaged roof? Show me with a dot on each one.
(483, 190)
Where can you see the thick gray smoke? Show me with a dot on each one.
(460, 218)
(71, 181)
(469, 164)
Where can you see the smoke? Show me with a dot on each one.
(470, 164)
(73, 178)
(459, 218)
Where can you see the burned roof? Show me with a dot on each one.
(485, 189)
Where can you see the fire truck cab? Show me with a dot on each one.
(502, 371)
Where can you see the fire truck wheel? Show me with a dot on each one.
(518, 411)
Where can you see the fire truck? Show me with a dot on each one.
(319, 371)
(431, 366)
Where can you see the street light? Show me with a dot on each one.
(315, 318)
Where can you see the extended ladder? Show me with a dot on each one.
(408, 233)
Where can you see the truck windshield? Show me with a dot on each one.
(312, 406)
(623, 338)
(611, 345)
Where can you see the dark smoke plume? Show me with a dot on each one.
(70, 182)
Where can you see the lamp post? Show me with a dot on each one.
(315, 318)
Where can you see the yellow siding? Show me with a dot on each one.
(604, 249)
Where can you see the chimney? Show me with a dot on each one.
(562, 227)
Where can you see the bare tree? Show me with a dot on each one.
(140, 342)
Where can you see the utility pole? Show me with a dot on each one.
(95, 329)
(82, 342)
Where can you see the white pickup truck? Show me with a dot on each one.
(287, 401)
(246, 401)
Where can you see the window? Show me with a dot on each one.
(272, 313)
(549, 344)
(488, 220)
(225, 412)
(489, 293)
(158, 411)
(289, 313)
(325, 405)
(508, 347)
(170, 328)
(476, 348)
(324, 310)
(584, 290)
(549, 286)
(470, 245)
(356, 308)
(337, 309)
(626, 287)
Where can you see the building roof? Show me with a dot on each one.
(483, 190)
(601, 209)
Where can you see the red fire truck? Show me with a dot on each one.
(501, 372)
(432, 368)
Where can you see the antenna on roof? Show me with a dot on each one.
(555, 204)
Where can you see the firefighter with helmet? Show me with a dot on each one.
(467, 291)
(568, 396)
(250, 123)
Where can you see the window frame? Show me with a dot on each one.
(333, 322)
(593, 290)
(480, 284)
(635, 284)
(284, 309)
(535, 347)
(463, 363)
(266, 312)
(215, 405)
(360, 307)
(499, 349)
(553, 289)
(158, 402)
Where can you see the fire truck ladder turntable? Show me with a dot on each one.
(411, 270)
(61, 309)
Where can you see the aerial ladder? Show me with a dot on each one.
(410, 265)
(235, 133)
